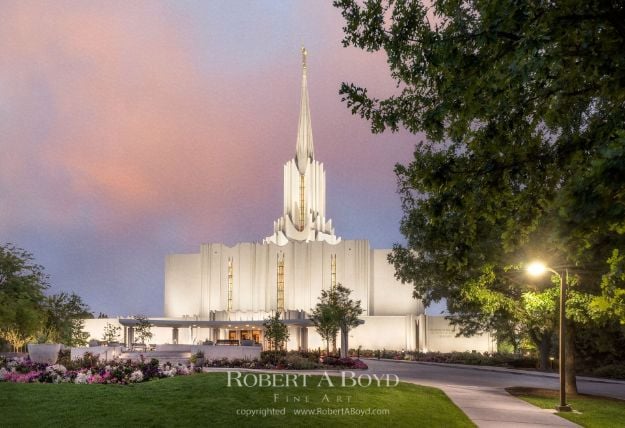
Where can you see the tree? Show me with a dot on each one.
(276, 332)
(539, 321)
(22, 283)
(336, 312)
(64, 316)
(522, 107)
(111, 333)
(143, 329)
(325, 320)
(348, 312)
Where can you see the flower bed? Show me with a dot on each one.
(87, 371)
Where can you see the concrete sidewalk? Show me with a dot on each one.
(491, 406)
(495, 408)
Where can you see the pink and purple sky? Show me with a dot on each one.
(130, 130)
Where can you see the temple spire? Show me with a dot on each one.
(305, 148)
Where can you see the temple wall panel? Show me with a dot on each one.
(182, 285)
(390, 296)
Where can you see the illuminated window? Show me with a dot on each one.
(301, 202)
(230, 283)
(280, 284)
(333, 270)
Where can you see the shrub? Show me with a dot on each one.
(65, 357)
(87, 361)
(300, 362)
(613, 371)
(273, 357)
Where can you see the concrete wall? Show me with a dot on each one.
(196, 284)
(95, 327)
(437, 335)
(182, 285)
(377, 332)
(104, 353)
(230, 352)
(385, 332)
(390, 296)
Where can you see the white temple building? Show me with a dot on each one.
(224, 293)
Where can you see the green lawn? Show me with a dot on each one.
(205, 400)
(594, 411)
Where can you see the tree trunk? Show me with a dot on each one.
(544, 349)
(334, 344)
(344, 344)
(571, 381)
(543, 345)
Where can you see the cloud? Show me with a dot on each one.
(129, 130)
(122, 123)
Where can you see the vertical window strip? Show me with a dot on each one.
(333, 270)
(230, 283)
(302, 201)
(280, 284)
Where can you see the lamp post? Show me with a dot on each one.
(537, 269)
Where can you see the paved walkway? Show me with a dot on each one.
(491, 407)
(483, 398)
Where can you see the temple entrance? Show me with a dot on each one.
(254, 335)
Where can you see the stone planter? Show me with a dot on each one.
(44, 353)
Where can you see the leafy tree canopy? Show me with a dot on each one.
(335, 312)
(276, 332)
(522, 105)
(63, 322)
(22, 284)
(26, 313)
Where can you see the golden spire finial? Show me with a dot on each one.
(304, 54)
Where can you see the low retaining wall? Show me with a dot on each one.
(229, 352)
(215, 352)
(104, 353)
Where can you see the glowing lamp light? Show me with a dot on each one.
(536, 268)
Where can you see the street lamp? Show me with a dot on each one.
(537, 269)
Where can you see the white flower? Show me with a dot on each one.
(182, 370)
(136, 376)
(58, 368)
(170, 373)
(3, 373)
(81, 378)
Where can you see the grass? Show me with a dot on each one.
(593, 411)
(206, 400)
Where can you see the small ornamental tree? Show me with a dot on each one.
(324, 317)
(276, 332)
(111, 333)
(336, 311)
(347, 313)
(143, 329)
(325, 321)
